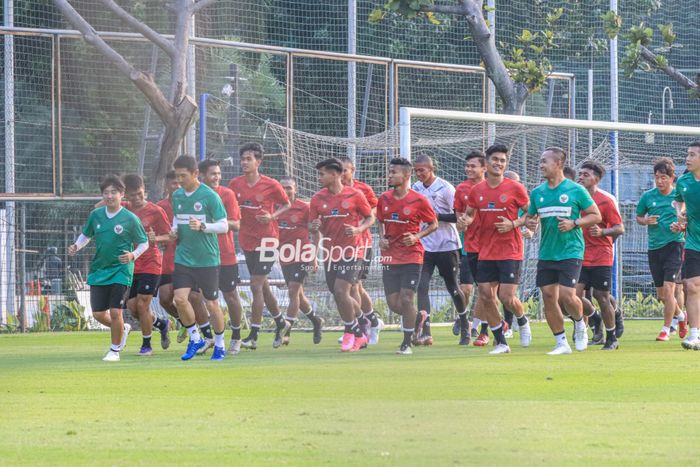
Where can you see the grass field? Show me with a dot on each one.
(307, 405)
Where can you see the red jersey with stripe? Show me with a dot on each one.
(401, 216)
(227, 247)
(168, 266)
(350, 207)
(253, 201)
(293, 227)
(152, 217)
(372, 200)
(493, 203)
(471, 235)
(599, 250)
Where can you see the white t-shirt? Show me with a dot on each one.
(441, 195)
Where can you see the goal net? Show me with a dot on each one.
(626, 150)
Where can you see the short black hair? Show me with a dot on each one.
(665, 166)
(330, 164)
(476, 154)
(132, 182)
(206, 163)
(170, 175)
(186, 162)
(695, 144)
(255, 148)
(111, 180)
(597, 168)
(569, 173)
(561, 154)
(405, 163)
(494, 148)
(423, 157)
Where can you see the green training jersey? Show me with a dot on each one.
(654, 203)
(113, 236)
(566, 200)
(197, 249)
(688, 191)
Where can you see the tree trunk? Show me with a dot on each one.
(173, 138)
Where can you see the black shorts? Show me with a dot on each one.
(205, 279)
(691, 264)
(108, 297)
(400, 276)
(564, 272)
(365, 263)
(255, 266)
(597, 277)
(665, 263)
(447, 263)
(165, 279)
(228, 278)
(345, 270)
(467, 268)
(144, 284)
(296, 272)
(506, 271)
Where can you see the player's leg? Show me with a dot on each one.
(572, 304)
(487, 290)
(509, 277)
(342, 278)
(228, 284)
(110, 300)
(466, 285)
(691, 280)
(448, 268)
(548, 282)
(209, 283)
(316, 321)
(424, 298)
(184, 279)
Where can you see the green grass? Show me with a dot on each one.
(306, 405)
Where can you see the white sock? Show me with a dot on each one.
(219, 340)
(561, 339)
(693, 334)
(194, 334)
(681, 316)
(666, 329)
(476, 322)
(578, 325)
(674, 322)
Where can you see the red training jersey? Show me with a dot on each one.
(492, 203)
(227, 247)
(471, 235)
(349, 207)
(152, 217)
(401, 216)
(372, 200)
(253, 201)
(293, 227)
(168, 267)
(599, 250)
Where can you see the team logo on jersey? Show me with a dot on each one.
(564, 199)
(294, 218)
(197, 206)
(345, 204)
(118, 229)
(259, 197)
(395, 216)
(503, 198)
(407, 211)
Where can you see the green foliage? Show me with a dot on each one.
(68, 316)
(641, 306)
(612, 23)
(667, 33)
(11, 325)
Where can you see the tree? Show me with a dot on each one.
(522, 72)
(177, 111)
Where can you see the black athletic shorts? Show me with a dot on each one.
(165, 279)
(564, 272)
(506, 271)
(400, 276)
(665, 263)
(468, 267)
(691, 264)
(447, 263)
(365, 263)
(345, 270)
(205, 279)
(598, 277)
(144, 284)
(107, 297)
(296, 272)
(255, 266)
(228, 278)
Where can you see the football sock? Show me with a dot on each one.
(484, 328)
(561, 338)
(219, 339)
(159, 323)
(114, 348)
(666, 329)
(205, 329)
(279, 319)
(610, 334)
(146, 341)
(522, 321)
(236, 333)
(508, 317)
(498, 334)
(193, 333)
(372, 317)
(407, 335)
(254, 329)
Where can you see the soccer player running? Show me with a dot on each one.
(498, 201)
(340, 214)
(147, 268)
(116, 230)
(598, 257)
(558, 204)
(199, 217)
(229, 279)
(442, 248)
(257, 197)
(688, 210)
(370, 323)
(475, 169)
(657, 210)
(401, 212)
(297, 257)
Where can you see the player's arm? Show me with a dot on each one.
(366, 223)
(466, 219)
(682, 223)
(217, 227)
(129, 256)
(506, 225)
(78, 245)
(591, 216)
